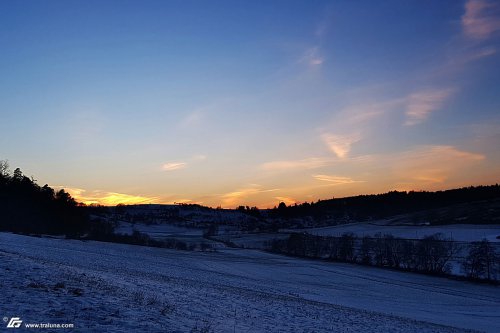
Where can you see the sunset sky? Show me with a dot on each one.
(250, 102)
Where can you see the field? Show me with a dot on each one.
(115, 287)
(459, 232)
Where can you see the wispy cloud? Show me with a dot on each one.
(482, 53)
(194, 119)
(199, 157)
(427, 165)
(312, 57)
(74, 191)
(450, 152)
(113, 198)
(171, 166)
(240, 196)
(418, 107)
(359, 113)
(422, 104)
(321, 28)
(481, 19)
(368, 113)
(287, 200)
(106, 198)
(340, 145)
(336, 180)
(304, 164)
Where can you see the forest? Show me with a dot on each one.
(27, 207)
(377, 206)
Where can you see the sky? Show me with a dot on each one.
(227, 103)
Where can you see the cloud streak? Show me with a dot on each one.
(312, 57)
(304, 164)
(481, 19)
(336, 180)
(106, 198)
(172, 166)
(340, 145)
(287, 200)
(431, 165)
(421, 104)
(193, 119)
(241, 196)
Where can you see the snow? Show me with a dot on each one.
(459, 232)
(157, 230)
(120, 288)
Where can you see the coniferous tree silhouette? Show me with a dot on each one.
(28, 208)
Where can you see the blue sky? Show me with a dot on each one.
(250, 102)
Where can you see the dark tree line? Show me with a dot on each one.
(104, 231)
(364, 207)
(26, 207)
(431, 255)
(252, 211)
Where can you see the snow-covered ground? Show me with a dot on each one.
(459, 232)
(157, 230)
(123, 288)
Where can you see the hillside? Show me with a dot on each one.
(472, 205)
(114, 288)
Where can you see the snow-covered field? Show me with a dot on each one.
(459, 232)
(158, 230)
(123, 288)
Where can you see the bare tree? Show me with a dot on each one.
(434, 254)
(366, 250)
(4, 168)
(481, 261)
